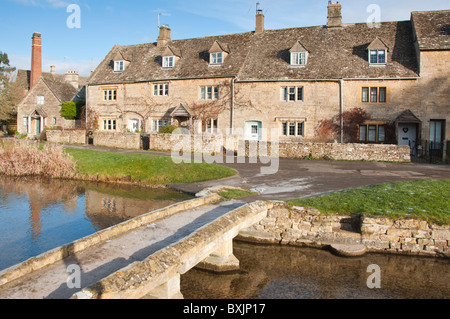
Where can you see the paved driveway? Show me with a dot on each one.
(301, 178)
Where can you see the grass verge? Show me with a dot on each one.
(230, 193)
(144, 168)
(426, 199)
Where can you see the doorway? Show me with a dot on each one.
(253, 131)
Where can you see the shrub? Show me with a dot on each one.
(168, 129)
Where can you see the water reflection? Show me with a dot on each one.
(37, 215)
(273, 272)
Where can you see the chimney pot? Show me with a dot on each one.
(334, 14)
(52, 69)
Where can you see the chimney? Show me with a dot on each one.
(164, 36)
(36, 59)
(52, 69)
(72, 78)
(334, 15)
(259, 22)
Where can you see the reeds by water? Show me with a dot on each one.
(28, 158)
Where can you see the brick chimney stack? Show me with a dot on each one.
(334, 14)
(164, 36)
(36, 59)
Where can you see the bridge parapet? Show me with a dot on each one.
(159, 274)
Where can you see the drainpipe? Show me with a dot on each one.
(232, 105)
(341, 108)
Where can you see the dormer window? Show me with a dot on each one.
(168, 61)
(217, 58)
(170, 57)
(377, 56)
(218, 53)
(377, 53)
(298, 58)
(299, 55)
(119, 66)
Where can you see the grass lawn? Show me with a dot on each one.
(230, 193)
(426, 199)
(145, 168)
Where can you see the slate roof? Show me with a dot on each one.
(432, 29)
(333, 53)
(23, 78)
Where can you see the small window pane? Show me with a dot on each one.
(365, 94)
(203, 93)
(372, 133)
(209, 90)
(381, 56)
(292, 94)
(216, 92)
(362, 133)
(300, 94)
(284, 129)
(292, 128)
(382, 93)
(373, 95)
(381, 133)
(373, 56)
(300, 129)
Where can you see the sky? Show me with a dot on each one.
(79, 39)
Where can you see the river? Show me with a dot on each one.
(37, 215)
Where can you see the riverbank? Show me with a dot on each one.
(27, 158)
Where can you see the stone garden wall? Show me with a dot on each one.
(300, 226)
(66, 136)
(118, 140)
(299, 150)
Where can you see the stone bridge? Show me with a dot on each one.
(130, 260)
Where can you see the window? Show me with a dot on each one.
(212, 126)
(40, 100)
(109, 95)
(54, 121)
(25, 121)
(209, 92)
(109, 125)
(298, 58)
(437, 133)
(291, 94)
(118, 66)
(161, 89)
(158, 124)
(377, 57)
(292, 128)
(216, 58)
(374, 94)
(168, 61)
(372, 133)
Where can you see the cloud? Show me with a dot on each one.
(44, 3)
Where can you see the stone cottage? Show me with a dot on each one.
(44, 93)
(284, 80)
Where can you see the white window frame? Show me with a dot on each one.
(168, 61)
(110, 95)
(119, 66)
(286, 128)
(161, 89)
(40, 100)
(216, 58)
(209, 92)
(378, 54)
(158, 124)
(109, 124)
(291, 93)
(25, 121)
(299, 58)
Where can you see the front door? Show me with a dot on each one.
(38, 126)
(253, 131)
(407, 134)
(134, 125)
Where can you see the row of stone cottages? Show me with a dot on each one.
(285, 81)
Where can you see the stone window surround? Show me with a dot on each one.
(295, 92)
(368, 97)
